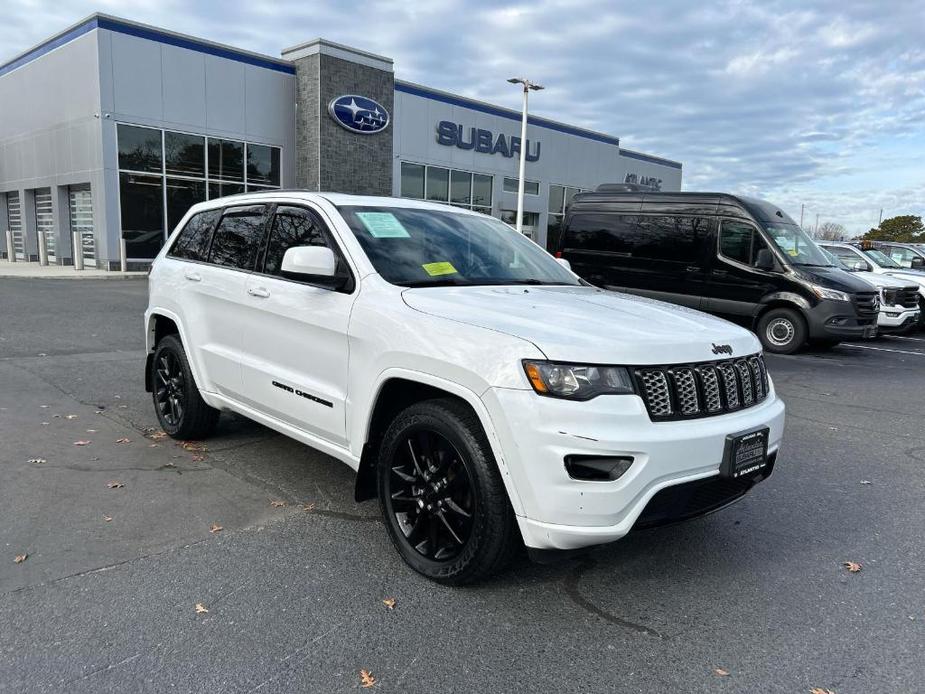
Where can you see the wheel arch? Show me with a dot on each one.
(396, 390)
(794, 302)
(159, 324)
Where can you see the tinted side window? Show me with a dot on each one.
(610, 233)
(193, 240)
(740, 242)
(236, 240)
(674, 238)
(292, 226)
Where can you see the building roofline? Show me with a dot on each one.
(98, 20)
(325, 43)
(503, 112)
(632, 154)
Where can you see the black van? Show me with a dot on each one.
(737, 257)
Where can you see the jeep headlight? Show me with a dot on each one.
(578, 381)
(826, 293)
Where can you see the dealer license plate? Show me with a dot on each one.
(745, 454)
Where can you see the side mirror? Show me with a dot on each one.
(764, 260)
(859, 266)
(564, 263)
(315, 264)
(918, 262)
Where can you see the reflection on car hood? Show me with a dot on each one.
(880, 280)
(915, 276)
(832, 278)
(586, 324)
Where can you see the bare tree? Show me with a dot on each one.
(831, 231)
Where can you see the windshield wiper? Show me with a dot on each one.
(445, 282)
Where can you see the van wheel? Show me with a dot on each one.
(441, 496)
(181, 411)
(782, 331)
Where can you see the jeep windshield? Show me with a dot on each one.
(415, 247)
(797, 246)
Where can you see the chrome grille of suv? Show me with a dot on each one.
(702, 390)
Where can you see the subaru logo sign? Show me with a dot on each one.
(359, 114)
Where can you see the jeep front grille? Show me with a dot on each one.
(702, 390)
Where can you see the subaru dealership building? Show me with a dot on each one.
(111, 129)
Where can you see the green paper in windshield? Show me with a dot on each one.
(383, 225)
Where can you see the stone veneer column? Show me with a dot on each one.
(329, 157)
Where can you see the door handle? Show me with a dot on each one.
(194, 277)
(692, 268)
(719, 273)
(259, 292)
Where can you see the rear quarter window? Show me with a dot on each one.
(192, 242)
(238, 237)
(607, 233)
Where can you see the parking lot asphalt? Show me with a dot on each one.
(119, 547)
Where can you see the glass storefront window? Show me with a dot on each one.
(263, 165)
(226, 159)
(142, 204)
(217, 189)
(460, 187)
(140, 148)
(185, 155)
(438, 184)
(412, 181)
(530, 187)
(181, 195)
(481, 190)
(556, 198)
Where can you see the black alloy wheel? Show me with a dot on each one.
(169, 388)
(179, 406)
(429, 492)
(442, 498)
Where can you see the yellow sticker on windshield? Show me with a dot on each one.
(435, 269)
(793, 252)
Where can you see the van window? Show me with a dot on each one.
(193, 240)
(235, 241)
(608, 233)
(675, 238)
(740, 242)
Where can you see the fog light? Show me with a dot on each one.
(594, 468)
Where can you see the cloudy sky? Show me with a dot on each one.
(819, 102)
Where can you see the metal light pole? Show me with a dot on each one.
(527, 86)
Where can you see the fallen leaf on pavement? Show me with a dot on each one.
(389, 602)
(43, 406)
(115, 485)
(366, 679)
(820, 690)
(277, 504)
(215, 528)
(123, 440)
(158, 435)
(154, 445)
(70, 416)
(20, 558)
(193, 446)
(56, 416)
(866, 482)
(200, 608)
(82, 443)
(852, 566)
(91, 431)
(107, 518)
(37, 461)
(720, 672)
(308, 508)
(198, 458)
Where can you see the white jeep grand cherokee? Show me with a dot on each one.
(484, 393)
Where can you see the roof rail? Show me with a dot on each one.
(624, 188)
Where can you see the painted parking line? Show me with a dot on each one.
(884, 349)
(903, 337)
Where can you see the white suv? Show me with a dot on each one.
(482, 391)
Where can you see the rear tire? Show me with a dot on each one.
(782, 331)
(441, 495)
(180, 409)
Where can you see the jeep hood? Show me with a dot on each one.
(590, 325)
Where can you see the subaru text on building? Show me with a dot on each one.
(740, 258)
(481, 390)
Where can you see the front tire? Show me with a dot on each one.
(441, 495)
(782, 331)
(181, 411)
